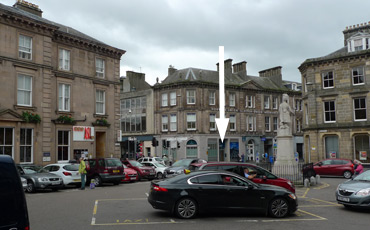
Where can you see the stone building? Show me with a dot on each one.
(137, 116)
(187, 103)
(59, 92)
(335, 97)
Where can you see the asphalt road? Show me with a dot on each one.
(126, 207)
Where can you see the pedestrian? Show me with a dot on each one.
(358, 167)
(82, 171)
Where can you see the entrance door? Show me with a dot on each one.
(100, 144)
(222, 149)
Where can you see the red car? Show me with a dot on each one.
(263, 176)
(335, 167)
(131, 175)
(142, 171)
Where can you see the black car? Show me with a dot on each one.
(188, 194)
(13, 206)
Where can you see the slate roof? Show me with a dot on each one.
(60, 27)
(212, 77)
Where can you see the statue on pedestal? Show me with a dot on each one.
(285, 112)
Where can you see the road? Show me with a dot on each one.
(125, 207)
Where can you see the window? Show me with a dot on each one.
(275, 102)
(64, 59)
(358, 44)
(232, 99)
(64, 97)
(232, 123)
(6, 141)
(298, 125)
(251, 123)
(212, 98)
(133, 120)
(328, 79)
(173, 98)
(164, 99)
(298, 105)
(250, 101)
(191, 149)
(100, 67)
(212, 122)
(275, 123)
(190, 97)
(191, 120)
(207, 179)
(267, 124)
(358, 76)
(25, 47)
(100, 102)
(164, 123)
(359, 105)
(306, 113)
(26, 148)
(329, 111)
(24, 91)
(173, 122)
(266, 102)
(63, 145)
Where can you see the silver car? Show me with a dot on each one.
(38, 178)
(355, 192)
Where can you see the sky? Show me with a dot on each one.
(187, 33)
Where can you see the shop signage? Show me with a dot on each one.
(363, 155)
(83, 133)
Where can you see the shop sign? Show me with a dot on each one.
(83, 133)
(363, 155)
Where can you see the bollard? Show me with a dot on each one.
(318, 179)
(313, 180)
(306, 183)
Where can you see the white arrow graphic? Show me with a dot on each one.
(222, 122)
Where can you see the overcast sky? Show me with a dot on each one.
(187, 33)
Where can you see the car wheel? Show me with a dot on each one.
(116, 183)
(160, 175)
(186, 208)
(279, 208)
(30, 187)
(97, 181)
(347, 174)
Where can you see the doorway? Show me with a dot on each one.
(100, 144)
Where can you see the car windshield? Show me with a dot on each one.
(183, 162)
(365, 176)
(73, 167)
(113, 163)
(159, 165)
(29, 169)
(135, 164)
(158, 159)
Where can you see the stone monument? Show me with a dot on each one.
(285, 160)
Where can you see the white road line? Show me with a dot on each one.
(146, 194)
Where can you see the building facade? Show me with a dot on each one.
(187, 104)
(60, 90)
(335, 97)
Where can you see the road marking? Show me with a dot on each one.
(95, 207)
(325, 185)
(324, 201)
(146, 223)
(123, 199)
(146, 194)
(291, 220)
(305, 193)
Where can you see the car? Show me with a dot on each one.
(160, 169)
(130, 174)
(187, 195)
(355, 192)
(68, 172)
(179, 166)
(143, 171)
(13, 205)
(24, 183)
(104, 170)
(38, 178)
(151, 159)
(335, 167)
(263, 176)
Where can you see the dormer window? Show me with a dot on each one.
(359, 41)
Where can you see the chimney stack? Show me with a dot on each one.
(227, 66)
(240, 67)
(274, 74)
(171, 70)
(29, 7)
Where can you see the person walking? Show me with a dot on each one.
(359, 168)
(82, 171)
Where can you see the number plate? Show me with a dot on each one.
(152, 173)
(345, 199)
(55, 182)
(133, 178)
(115, 171)
(76, 180)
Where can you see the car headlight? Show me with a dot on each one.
(180, 171)
(363, 192)
(43, 179)
(338, 187)
(291, 195)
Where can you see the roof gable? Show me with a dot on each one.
(10, 115)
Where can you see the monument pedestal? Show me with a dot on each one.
(285, 162)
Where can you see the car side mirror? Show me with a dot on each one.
(264, 177)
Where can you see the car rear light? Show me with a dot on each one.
(105, 171)
(159, 189)
(67, 174)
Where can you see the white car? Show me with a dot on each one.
(160, 169)
(151, 159)
(68, 172)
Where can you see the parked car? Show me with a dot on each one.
(68, 172)
(263, 176)
(24, 183)
(130, 174)
(179, 166)
(202, 191)
(335, 167)
(13, 205)
(151, 159)
(160, 169)
(105, 170)
(38, 178)
(355, 192)
(143, 171)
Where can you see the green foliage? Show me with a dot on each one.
(31, 117)
(67, 119)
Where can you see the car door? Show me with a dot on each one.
(336, 168)
(323, 167)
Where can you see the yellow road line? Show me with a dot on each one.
(325, 185)
(324, 201)
(304, 194)
(107, 224)
(308, 213)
